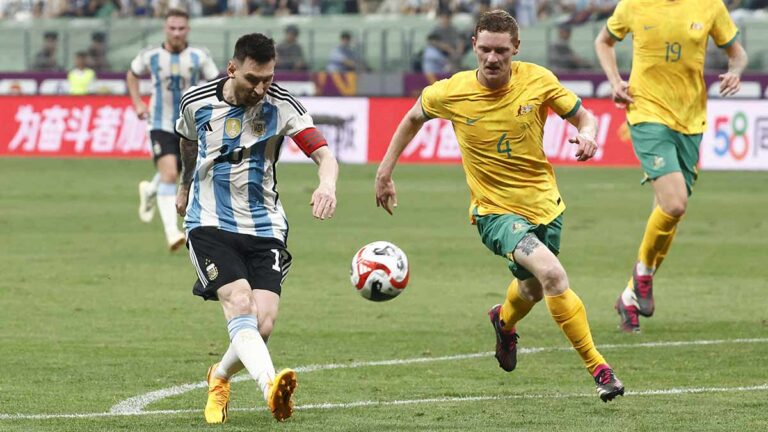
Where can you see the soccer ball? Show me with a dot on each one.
(379, 271)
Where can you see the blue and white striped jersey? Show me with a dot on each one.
(172, 74)
(234, 187)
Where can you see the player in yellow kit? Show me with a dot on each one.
(498, 113)
(666, 101)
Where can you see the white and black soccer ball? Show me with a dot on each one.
(379, 271)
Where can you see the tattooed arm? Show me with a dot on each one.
(188, 162)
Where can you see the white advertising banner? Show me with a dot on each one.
(343, 122)
(736, 137)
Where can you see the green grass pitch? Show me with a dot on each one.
(94, 310)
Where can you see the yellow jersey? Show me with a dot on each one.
(500, 134)
(669, 43)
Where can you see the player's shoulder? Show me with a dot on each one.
(532, 72)
(150, 50)
(199, 94)
(199, 50)
(455, 82)
(284, 100)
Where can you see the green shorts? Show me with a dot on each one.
(502, 232)
(662, 150)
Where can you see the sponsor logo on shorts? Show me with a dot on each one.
(658, 162)
(232, 127)
(157, 148)
(213, 271)
(517, 227)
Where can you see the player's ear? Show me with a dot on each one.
(516, 46)
(231, 68)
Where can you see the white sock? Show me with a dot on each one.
(644, 270)
(229, 365)
(166, 204)
(154, 183)
(251, 350)
(628, 297)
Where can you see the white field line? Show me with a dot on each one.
(136, 404)
(370, 403)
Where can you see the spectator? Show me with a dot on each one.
(214, 7)
(434, 60)
(603, 9)
(449, 39)
(141, 8)
(561, 55)
(45, 59)
(81, 77)
(98, 52)
(290, 55)
(527, 12)
(344, 57)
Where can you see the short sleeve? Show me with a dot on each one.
(433, 100)
(210, 71)
(296, 123)
(139, 64)
(618, 24)
(185, 125)
(723, 31)
(561, 100)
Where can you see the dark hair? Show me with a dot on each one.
(81, 54)
(51, 35)
(498, 21)
(256, 46)
(174, 12)
(98, 36)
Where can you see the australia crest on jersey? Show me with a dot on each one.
(232, 127)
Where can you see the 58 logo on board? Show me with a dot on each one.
(736, 136)
(731, 136)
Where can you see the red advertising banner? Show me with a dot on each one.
(86, 126)
(436, 142)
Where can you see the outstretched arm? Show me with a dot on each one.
(730, 82)
(409, 126)
(607, 56)
(188, 151)
(586, 123)
(324, 198)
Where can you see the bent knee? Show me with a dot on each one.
(553, 279)
(675, 208)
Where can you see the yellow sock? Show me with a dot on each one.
(664, 249)
(514, 307)
(658, 237)
(568, 312)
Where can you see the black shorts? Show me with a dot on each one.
(164, 143)
(222, 257)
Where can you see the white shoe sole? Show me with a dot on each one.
(146, 202)
(177, 243)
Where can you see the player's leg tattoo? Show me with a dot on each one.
(528, 244)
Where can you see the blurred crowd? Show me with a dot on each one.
(443, 52)
(527, 12)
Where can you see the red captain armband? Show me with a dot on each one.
(309, 140)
